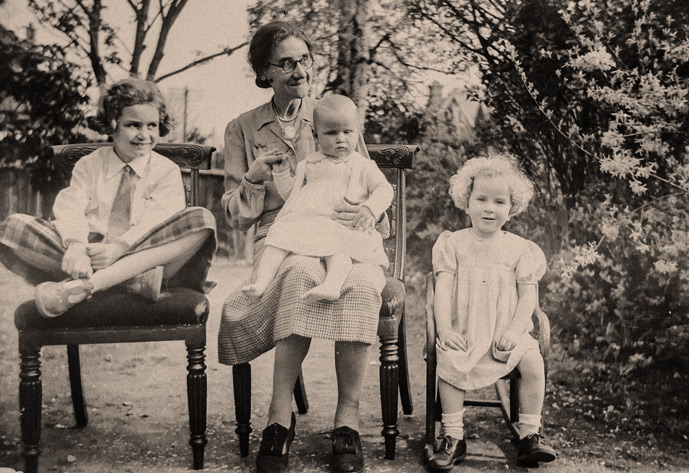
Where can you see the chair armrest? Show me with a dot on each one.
(392, 309)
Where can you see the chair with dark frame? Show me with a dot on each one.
(394, 374)
(507, 388)
(115, 316)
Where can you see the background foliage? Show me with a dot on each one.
(43, 95)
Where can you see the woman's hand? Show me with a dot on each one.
(506, 341)
(280, 166)
(261, 169)
(449, 339)
(76, 261)
(104, 254)
(346, 213)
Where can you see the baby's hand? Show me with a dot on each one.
(451, 340)
(364, 220)
(506, 341)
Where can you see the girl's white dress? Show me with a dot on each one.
(486, 273)
(305, 224)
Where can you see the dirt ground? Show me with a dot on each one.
(136, 395)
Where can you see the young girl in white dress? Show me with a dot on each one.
(485, 294)
(305, 225)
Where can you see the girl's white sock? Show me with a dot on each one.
(453, 424)
(528, 424)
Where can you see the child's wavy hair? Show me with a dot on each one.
(492, 165)
(125, 93)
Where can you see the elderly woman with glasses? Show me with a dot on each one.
(260, 146)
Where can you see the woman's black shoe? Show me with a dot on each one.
(347, 451)
(273, 455)
(450, 451)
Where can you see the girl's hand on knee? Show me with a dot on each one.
(506, 341)
(104, 254)
(451, 340)
(76, 261)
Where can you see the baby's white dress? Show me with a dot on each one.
(305, 224)
(486, 271)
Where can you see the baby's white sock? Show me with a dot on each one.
(528, 424)
(453, 424)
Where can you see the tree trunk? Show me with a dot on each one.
(141, 11)
(354, 53)
(95, 20)
(168, 20)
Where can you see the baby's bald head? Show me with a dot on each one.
(336, 123)
(335, 108)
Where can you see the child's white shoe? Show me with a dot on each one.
(147, 284)
(56, 298)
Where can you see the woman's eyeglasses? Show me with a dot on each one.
(289, 65)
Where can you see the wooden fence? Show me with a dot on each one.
(18, 196)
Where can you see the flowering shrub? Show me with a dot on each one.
(624, 287)
(629, 295)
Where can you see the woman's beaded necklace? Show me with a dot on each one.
(288, 130)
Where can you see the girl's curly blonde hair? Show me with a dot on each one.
(492, 165)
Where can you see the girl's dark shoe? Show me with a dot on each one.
(348, 454)
(273, 455)
(532, 451)
(450, 451)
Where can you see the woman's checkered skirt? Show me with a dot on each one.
(24, 235)
(250, 326)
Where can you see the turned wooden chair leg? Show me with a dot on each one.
(389, 385)
(432, 405)
(78, 401)
(514, 404)
(241, 378)
(197, 394)
(30, 403)
(300, 394)
(405, 386)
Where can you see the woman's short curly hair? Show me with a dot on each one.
(492, 165)
(126, 93)
(263, 43)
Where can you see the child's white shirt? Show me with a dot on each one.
(85, 205)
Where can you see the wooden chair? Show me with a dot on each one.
(506, 388)
(113, 317)
(394, 374)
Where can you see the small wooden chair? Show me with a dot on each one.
(115, 317)
(394, 373)
(506, 388)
